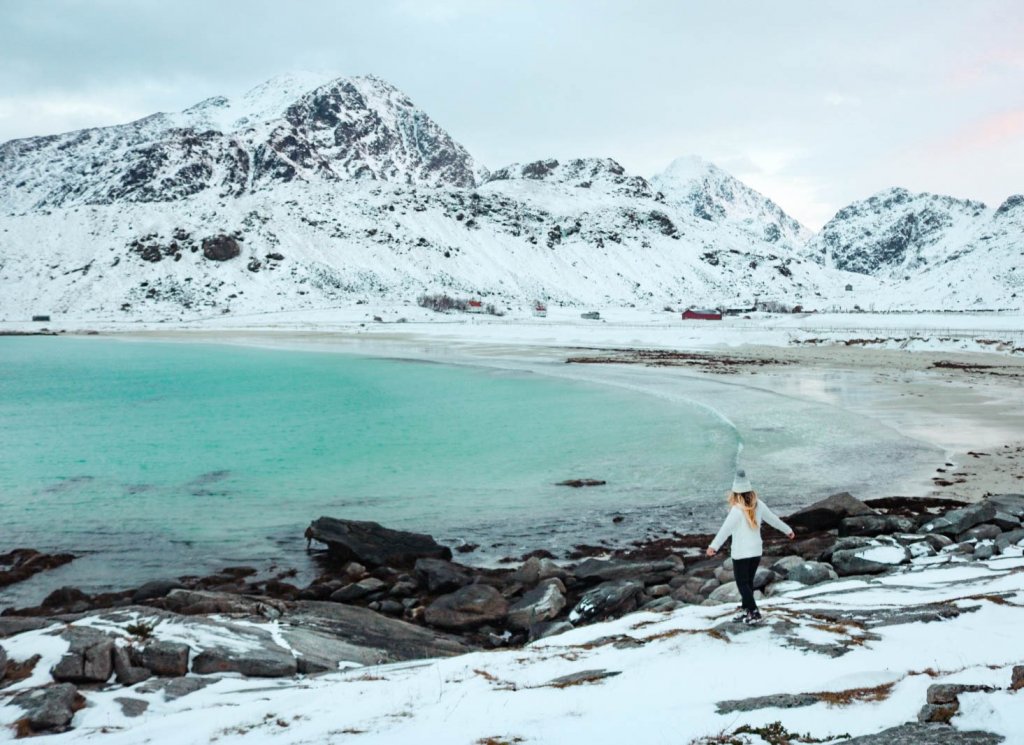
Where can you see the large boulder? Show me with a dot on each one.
(983, 532)
(809, 573)
(828, 513)
(918, 733)
(127, 673)
(955, 522)
(1011, 504)
(606, 600)
(156, 589)
(542, 603)
(89, 658)
(166, 659)
(49, 708)
(374, 636)
(871, 525)
(608, 570)
(470, 606)
(264, 661)
(1010, 538)
(220, 248)
(443, 576)
(372, 544)
(356, 590)
(872, 559)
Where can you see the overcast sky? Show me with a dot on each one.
(814, 103)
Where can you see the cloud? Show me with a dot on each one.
(27, 116)
(987, 132)
(838, 99)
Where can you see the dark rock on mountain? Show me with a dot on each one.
(828, 513)
(373, 544)
(468, 607)
(1011, 504)
(3, 663)
(983, 532)
(220, 248)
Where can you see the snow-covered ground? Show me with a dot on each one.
(666, 675)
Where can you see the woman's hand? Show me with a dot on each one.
(710, 552)
(791, 535)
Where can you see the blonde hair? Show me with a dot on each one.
(746, 501)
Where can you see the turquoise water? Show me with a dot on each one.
(158, 459)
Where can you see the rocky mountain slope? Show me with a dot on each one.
(310, 193)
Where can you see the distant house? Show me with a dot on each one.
(702, 314)
(591, 315)
(540, 309)
(474, 306)
(40, 318)
(849, 288)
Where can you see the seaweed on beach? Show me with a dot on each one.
(668, 358)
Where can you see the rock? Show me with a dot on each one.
(196, 603)
(724, 575)
(659, 591)
(1005, 521)
(938, 541)
(660, 605)
(125, 672)
(577, 483)
(166, 659)
(1010, 538)
(373, 544)
(608, 570)
(220, 248)
(89, 658)
(444, 576)
(376, 637)
(356, 590)
(1011, 504)
(869, 559)
(940, 713)
(274, 257)
(686, 595)
(983, 532)
(266, 661)
(549, 569)
(470, 606)
(829, 512)
(132, 707)
(955, 522)
(13, 625)
(783, 565)
(175, 688)
(872, 525)
(584, 676)
(727, 593)
(915, 733)
(542, 603)
(606, 600)
(69, 598)
(809, 573)
(1017, 678)
(528, 574)
(763, 577)
(544, 630)
(22, 563)
(3, 663)
(774, 701)
(49, 708)
(155, 589)
(709, 586)
(984, 550)
(921, 548)
(947, 693)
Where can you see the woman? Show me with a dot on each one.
(743, 525)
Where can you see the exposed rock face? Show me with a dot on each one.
(372, 544)
(468, 607)
(125, 672)
(828, 513)
(266, 661)
(166, 659)
(918, 734)
(221, 248)
(88, 659)
(50, 708)
(869, 559)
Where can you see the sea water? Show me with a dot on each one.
(156, 460)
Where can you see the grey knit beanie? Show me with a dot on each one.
(741, 483)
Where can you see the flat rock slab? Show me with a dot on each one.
(583, 676)
(132, 707)
(468, 607)
(607, 570)
(776, 701)
(49, 708)
(13, 625)
(265, 661)
(175, 688)
(955, 522)
(374, 545)
(922, 734)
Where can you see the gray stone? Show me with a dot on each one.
(775, 701)
(686, 595)
(660, 605)
(1011, 504)
(175, 688)
(549, 569)
(724, 575)
(783, 565)
(946, 693)
(528, 574)
(606, 600)
(552, 628)
(809, 573)
(125, 672)
(166, 659)
(156, 589)
(955, 522)
(828, 513)
(89, 658)
(584, 676)
(49, 708)
(659, 591)
(763, 577)
(608, 570)
(198, 603)
(938, 541)
(709, 586)
(444, 576)
(268, 661)
(319, 653)
(869, 559)
(1010, 538)
(132, 707)
(382, 639)
(917, 733)
(13, 625)
(980, 533)
(357, 590)
(391, 607)
(984, 550)
(372, 544)
(403, 589)
(727, 593)
(542, 603)
(872, 525)
(1005, 521)
(473, 605)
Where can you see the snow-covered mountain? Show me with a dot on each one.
(938, 250)
(311, 192)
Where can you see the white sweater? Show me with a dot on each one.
(746, 541)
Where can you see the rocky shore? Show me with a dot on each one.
(389, 596)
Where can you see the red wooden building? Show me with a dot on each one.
(703, 314)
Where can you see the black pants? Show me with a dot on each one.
(744, 571)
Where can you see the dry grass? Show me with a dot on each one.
(855, 695)
(20, 670)
(499, 740)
